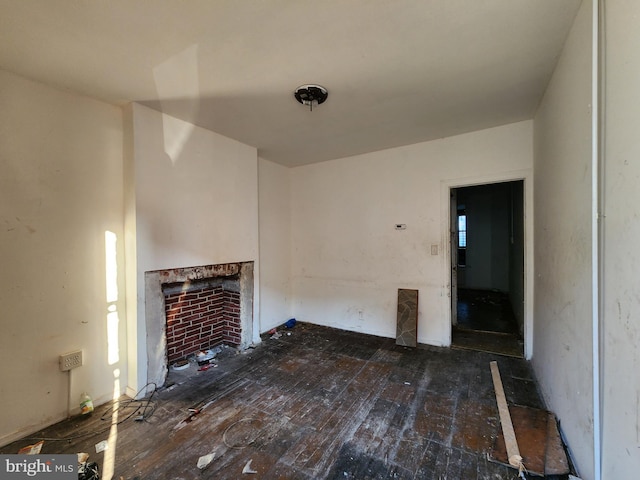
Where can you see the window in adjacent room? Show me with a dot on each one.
(462, 239)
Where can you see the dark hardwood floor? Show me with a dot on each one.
(486, 322)
(486, 310)
(319, 403)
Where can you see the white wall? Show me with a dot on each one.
(60, 191)
(621, 305)
(275, 243)
(195, 202)
(562, 155)
(348, 261)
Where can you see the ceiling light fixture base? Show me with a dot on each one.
(310, 95)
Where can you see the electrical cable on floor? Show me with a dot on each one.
(247, 442)
(146, 405)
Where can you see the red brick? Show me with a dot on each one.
(201, 319)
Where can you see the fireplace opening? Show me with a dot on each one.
(193, 309)
(201, 315)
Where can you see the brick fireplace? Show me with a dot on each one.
(201, 314)
(196, 308)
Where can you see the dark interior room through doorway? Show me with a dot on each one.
(487, 267)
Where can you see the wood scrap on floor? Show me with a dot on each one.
(538, 440)
(511, 443)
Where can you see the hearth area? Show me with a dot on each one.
(191, 309)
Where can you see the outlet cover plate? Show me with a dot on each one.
(71, 360)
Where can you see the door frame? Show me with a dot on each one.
(453, 240)
(445, 194)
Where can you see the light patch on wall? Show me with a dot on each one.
(113, 348)
(111, 269)
(177, 78)
(113, 351)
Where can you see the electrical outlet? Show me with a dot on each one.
(71, 360)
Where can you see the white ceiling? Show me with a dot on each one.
(398, 71)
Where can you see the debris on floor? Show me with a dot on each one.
(275, 334)
(170, 386)
(32, 449)
(86, 404)
(102, 446)
(87, 471)
(247, 468)
(205, 460)
(193, 412)
(180, 365)
(208, 355)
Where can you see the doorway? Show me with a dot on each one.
(487, 267)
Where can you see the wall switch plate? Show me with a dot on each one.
(434, 249)
(71, 360)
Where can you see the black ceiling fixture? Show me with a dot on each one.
(310, 94)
